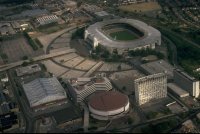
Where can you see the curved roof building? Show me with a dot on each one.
(150, 36)
(42, 91)
(108, 104)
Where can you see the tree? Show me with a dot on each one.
(119, 67)
(123, 88)
(130, 120)
(25, 63)
(25, 57)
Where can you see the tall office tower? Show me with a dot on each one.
(150, 87)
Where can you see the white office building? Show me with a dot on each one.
(150, 87)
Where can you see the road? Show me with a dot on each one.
(29, 115)
(142, 124)
(38, 58)
(29, 120)
(174, 51)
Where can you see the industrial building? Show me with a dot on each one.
(28, 70)
(150, 88)
(70, 5)
(80, 88)
(98, 34)
(175, 89)
(68, 118)
(127, 2)
(43, 92)
(187, 82)
(108, 105)
(9, 122)
(47, 19)
(159, 66)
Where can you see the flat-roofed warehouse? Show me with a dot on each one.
(159, 66)
(28, 70)
(43, 91)
(172, 87)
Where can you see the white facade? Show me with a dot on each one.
(83, 87)
(44, 90)
(187, 82)
(46, 19)
(150, 88)
(96, 36)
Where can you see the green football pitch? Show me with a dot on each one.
(123, 35)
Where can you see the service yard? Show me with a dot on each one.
(141, 7)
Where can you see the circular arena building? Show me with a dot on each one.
(107, 105)
(122, 34)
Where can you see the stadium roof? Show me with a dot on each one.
(44, 90)
(108, 100)
(150, 34)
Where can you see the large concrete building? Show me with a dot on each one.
(28, 70)
(159, 66)
(80, 88)
(43, 92)
(176, 90)
(150, 87)
(108, 105)
(100, 33)
(187, 82)
(46, 19)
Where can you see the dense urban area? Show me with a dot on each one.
(104, 66)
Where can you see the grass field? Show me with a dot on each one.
(141, 7)
(123, 35)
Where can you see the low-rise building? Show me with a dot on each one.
(187, 82)
(9, 122)
(159, 66)
(47, 19)
(43, 92)
(28, 70)
(68, 118)
(80, 88)
(175, 89)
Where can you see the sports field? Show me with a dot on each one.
(123, 35)
(141, 7)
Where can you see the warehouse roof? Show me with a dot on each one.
(44, 90)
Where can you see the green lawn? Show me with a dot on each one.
(123, 35)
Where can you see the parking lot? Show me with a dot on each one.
(17, 48)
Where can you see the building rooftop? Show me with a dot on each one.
(177, 89)
(80, 83)
(44, 90)
(159, 66)
(67, 114)
(28, 69)
(102, 13)
(153, 76)
(108, 100)
(185, 75)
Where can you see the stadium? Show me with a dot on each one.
(107, 105)
(122, 34)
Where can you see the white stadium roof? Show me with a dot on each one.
(151, 35)
(44, 90)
